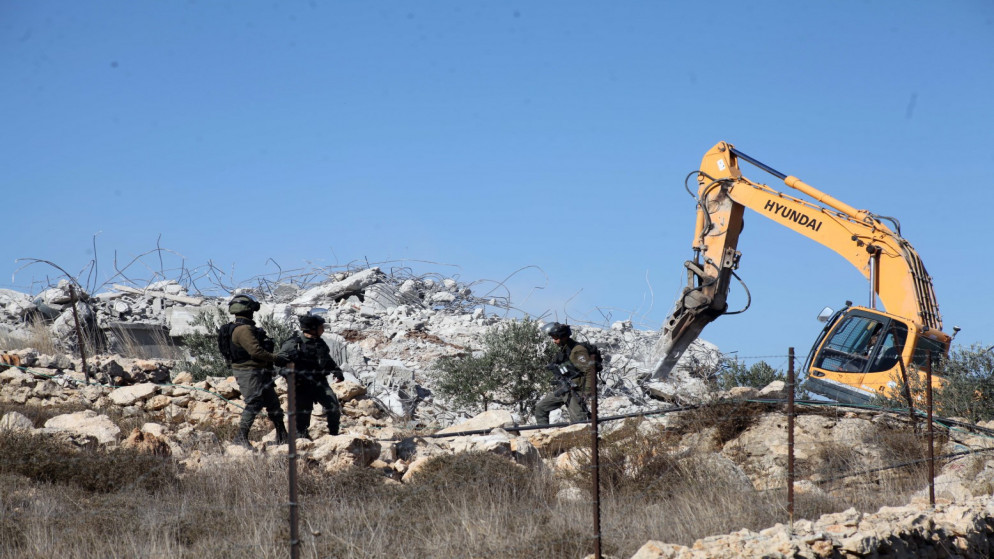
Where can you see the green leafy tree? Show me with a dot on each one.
(202, 345)
(277, 329)
(469, 381)
(967, 388)
(206, 359)
(733, 372)
(510, 369)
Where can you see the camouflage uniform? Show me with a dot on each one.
(252, 366)
(578, 362)
(312, 362)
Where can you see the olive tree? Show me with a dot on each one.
(509, 369)
(202, 344)
(733, 372)
(966, 388)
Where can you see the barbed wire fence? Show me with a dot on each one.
(731, 416)
(735, 412)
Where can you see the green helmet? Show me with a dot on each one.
(243, 304)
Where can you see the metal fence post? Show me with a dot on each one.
(595, 461)
(907, 394)
(291, 404)
(931, 430)
(790, 436)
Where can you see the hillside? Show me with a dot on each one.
(680, 461)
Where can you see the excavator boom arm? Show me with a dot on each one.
(894, 269)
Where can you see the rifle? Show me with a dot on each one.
(563, 378)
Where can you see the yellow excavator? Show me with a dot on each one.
(861, 350)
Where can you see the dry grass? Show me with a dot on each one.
(465, 506)
(728, 418)
(38, 337)
(889, 476)
(90, 504)
(161, 348)
(38, 414)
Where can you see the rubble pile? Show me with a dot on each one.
(386, 331)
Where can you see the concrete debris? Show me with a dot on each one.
(386, 332)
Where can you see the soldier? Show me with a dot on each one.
(313, 363)
(252, 363)
(573, 367)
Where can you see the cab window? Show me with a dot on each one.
(850, 346)
(891, 347)
(923, 349)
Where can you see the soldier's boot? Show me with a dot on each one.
(242, 438)
(281, 434)
(334, 425)
(302, 429)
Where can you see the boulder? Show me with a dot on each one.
(131, 395)
(86, 422)
(14, 421)
(485, 421)
(550, 442)
(146, 443)
(343, 451)
(347, 391)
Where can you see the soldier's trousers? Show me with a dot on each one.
(575, 407)
(309, 392)
(258, 392)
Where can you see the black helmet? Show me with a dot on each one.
(557, 330)
(311, 322)
(242, 304)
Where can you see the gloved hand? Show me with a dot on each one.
(281, 361)
(552, 367)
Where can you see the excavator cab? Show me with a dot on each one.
(862, 352)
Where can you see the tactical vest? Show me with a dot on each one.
(563, 355)
(307, 356)
(238, 354)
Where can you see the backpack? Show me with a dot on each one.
(595, 354)
(224, 341)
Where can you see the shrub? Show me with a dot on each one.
(733, 372)
(44, 459)
(469, 381)
(633, 461)
(278, 330)
(206, 358)
(510, 370)
(967, 389)
(473, 473)
(728, 418)
(350, 484)
(202, 344)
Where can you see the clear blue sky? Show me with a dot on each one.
(492, 136)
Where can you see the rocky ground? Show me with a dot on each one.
(387, 332)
